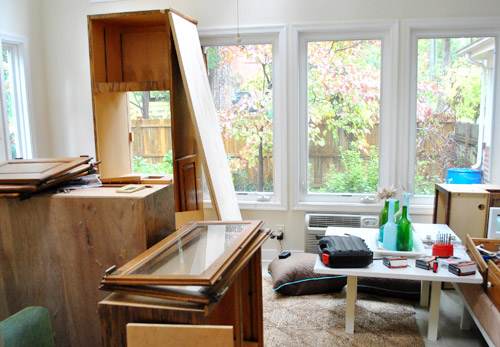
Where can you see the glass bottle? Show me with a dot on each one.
(384, 214)
(406, 202)
(404, 233)
(390, 229)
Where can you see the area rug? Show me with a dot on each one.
(319, 320)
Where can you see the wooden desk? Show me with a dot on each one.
(55, 248)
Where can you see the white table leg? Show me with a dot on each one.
(466, 319)
(424, 293)
(434, 311)
(352, 292)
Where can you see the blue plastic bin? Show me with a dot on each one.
(464, 176)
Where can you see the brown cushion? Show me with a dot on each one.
(295, 276)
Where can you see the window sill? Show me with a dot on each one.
(253, 205)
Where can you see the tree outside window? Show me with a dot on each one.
(241, 81)
(451, 96)
(343, 93)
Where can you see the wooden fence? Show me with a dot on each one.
(152, 140)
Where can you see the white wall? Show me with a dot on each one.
(60, 63)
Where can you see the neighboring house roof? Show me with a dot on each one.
(480, 50)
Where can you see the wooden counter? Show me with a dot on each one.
(55, 248)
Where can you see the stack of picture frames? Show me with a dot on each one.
(21, 178)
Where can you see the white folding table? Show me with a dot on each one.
(378, 269)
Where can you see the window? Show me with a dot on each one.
(345, 111)
(449, 69)
(15, 135)
(452, 110)
(343, 107)
(150, 123)
(246, 83)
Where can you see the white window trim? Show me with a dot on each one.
(387, 31)
(276, 35)
(19, 47)
(430, 28)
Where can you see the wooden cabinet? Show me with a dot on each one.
(135, 52)
(55, 248)
(151, 51)
(204, 274)
(465, 207)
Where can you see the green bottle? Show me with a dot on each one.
(406, 202)
(383, 217)
(405, 235)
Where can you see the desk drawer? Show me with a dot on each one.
(490, 271)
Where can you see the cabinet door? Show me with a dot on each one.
(468, 214)
(35, 171)
(143, 335)
(188, 183)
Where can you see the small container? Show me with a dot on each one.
(463, 176)
(442, 250)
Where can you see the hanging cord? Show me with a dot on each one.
(238, 38)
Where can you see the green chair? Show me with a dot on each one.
(27, 328)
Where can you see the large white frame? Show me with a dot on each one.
(21, 105)
(275, 35)
(387, 32)
(415, 29)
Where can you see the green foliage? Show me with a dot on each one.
(425, 184)
(7, 68)
(241, 182)
(251, 119)
(343, 88)
(359, 175)
(212, 57)
(142, 165)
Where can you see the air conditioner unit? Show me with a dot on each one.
(316, 224)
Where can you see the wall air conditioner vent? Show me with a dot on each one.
(333, 220)
(316, 224)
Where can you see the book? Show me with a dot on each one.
(395, 262)
(462, 268)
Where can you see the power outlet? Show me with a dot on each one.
(280, 232)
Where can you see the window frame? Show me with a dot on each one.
(275, 35)
(19, 53)
(387, 32)
(415, 29)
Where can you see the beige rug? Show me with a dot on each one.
(319, 320)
